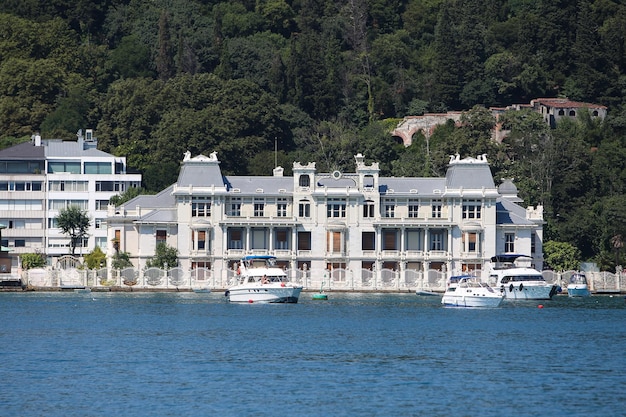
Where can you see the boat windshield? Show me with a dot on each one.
(521, 278)
(578, 279)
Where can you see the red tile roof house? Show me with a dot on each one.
(554, 109)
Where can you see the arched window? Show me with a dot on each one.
(561, 112)
(305, 181)
(572, 113)
(595, 113)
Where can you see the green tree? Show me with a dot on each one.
(561, 256)
(95, 259)
(121, 260)
(129, 194)
(33, 260)
(164, 255)
(73, 222)
(165, 56)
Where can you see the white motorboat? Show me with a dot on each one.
(261, 281)
(468, 291)
(577, 286)
(514, 277)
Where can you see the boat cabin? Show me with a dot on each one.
(578, 279)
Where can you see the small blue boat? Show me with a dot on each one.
(577, 286)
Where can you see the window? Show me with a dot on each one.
(436, 240)
(533, 247)
(281, 240)
(21, 204)
(104, 186)
(368, 241)
(235, 239)
(20, 243)
(235, 207)
(62, 204)
(389, 206)
(98, 168)
(101, 242)
(368, 181)
(336, 208)
(201, 207)
(304, 209)
(334, 241)
(471, 209)
(63, 167)
(259, 238)
(509, 242)
(281, 207)
(73, 186)
(161, 236)
(436, 209)
(102, 204)
(98, 223)
(304, 181)
(368, 209)
(413, 240)
(470, 242)
(259, 207)
(198, 239)
(389, 239)
(21, 167)
(20, 186)
(414, 207)
(304, 240)
(18, 224)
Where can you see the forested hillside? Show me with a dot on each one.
(322, 80)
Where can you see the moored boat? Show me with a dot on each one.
(577, 286)
(261, 281)
(514, 277)
(468, 291)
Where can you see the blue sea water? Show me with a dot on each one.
(188, 354)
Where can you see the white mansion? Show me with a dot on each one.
(338, 223)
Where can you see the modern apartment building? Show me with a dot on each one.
(337, 221)
(41, 177)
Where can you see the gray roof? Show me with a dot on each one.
(469, 176)
(163, 199)
(70, 149)
(269, 185)
(169, 215)
(200, 175)
(508, 212)
(424, 186)
(22, 152)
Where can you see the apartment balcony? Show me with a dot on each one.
(370, 254)
(202, 253)
(22, 233)
(414, 254)
(282, 253)
(23, 214)
(472, 255)
(235, 253)
(437, 255)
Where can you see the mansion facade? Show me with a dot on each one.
(330, 221)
